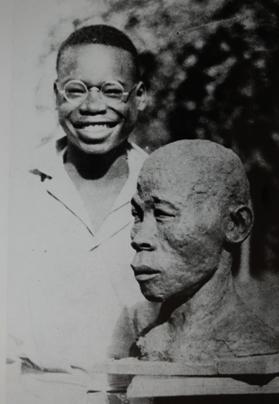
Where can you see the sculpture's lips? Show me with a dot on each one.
(144, 273)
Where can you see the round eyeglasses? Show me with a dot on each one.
(76, 91)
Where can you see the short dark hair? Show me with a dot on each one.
(102, 35)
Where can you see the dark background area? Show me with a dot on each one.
(211, 68)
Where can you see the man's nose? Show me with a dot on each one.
(94, 102)
(143, 236)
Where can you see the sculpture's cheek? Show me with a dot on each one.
(192, 231)
(179, 236)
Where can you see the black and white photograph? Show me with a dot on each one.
(140, 202)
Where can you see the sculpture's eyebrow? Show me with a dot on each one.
(164, 202)
(135, 201)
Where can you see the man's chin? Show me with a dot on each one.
(95, 146)
(94, 149)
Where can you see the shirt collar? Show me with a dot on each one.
(49, 159)
(50, 169)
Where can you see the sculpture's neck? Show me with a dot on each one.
(211, 298)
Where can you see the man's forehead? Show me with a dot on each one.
(95, 53)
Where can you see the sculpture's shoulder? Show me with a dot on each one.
(244, 333)
(157, 344)
(132, 322)
(145, 316)
(233, 332)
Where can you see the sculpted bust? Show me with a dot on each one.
(192, 211)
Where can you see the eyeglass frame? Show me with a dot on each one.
(124, 98)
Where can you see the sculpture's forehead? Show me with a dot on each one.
(196, 169)
(174, 182)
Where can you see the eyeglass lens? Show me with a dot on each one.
(77, 90)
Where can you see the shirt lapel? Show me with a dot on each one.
(57, 183)
(120, 214)
(59, 186)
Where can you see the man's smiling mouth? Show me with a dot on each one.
(97, 125)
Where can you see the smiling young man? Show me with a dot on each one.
(99, 96)
(70, 272)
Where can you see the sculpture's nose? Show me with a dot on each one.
(143, 235)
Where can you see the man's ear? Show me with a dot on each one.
(55, 88)
(239, 224)
(56, 92)
(141, 96)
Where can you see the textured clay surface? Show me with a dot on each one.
(192, 211)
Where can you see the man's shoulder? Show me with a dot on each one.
(29, 176)
(46, 158)
(136, 157)
(139, 151)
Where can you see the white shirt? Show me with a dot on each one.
(67, 285)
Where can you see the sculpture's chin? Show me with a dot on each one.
(151, 297)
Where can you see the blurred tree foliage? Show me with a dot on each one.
(212, 70)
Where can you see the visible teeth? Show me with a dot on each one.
(100, 125)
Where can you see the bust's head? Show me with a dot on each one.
(191, 207)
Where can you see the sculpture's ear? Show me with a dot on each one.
(239, 224)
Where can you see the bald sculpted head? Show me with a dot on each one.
(209, 169)
(192, 204)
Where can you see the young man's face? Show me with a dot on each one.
(177, 235)
(97, 125)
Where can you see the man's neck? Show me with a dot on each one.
(98, 179)
(106, 167)
(209, 300)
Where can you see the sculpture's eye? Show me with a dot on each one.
(136, 213)
(163, 214)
